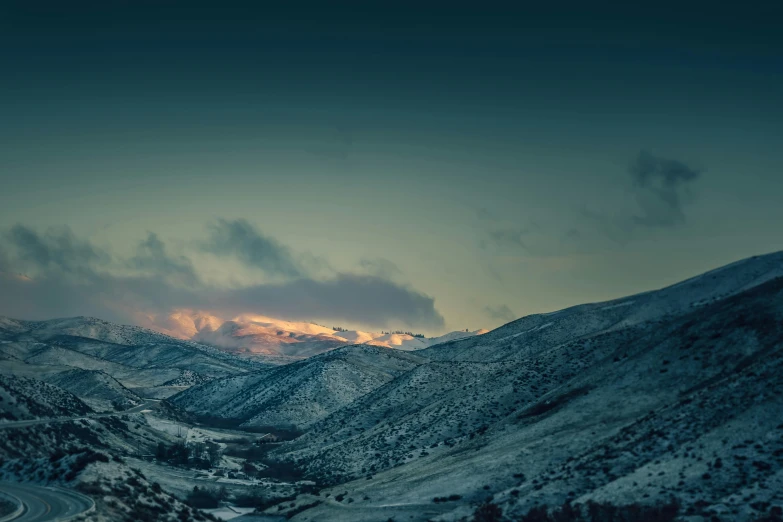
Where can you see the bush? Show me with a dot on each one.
(301, 508)
(284, 471)
(205, 498)
(603, 512)
(488, 512)
(6, 507)
(775, 515)
(82, 461)
(256, 498)
(450, 498)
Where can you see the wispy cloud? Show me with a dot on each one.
(501, 234)
(152, 258)
(57, 249)
(661, 185)
(240, 239)
(661, 189)
(380, 267)
(500, 313)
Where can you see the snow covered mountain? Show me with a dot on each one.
(110, 366)
(256, 335)
(29, 399)
(299, 394)
(686, 407)
(671, 393)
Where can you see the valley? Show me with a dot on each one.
(665, 399)
(380, 262)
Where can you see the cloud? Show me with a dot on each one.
(380, 267)
(485, 214)
(152, 258)
(660, 185)
(661, 188)
(500, 234)
(70, 276)
(618, 228)
(240, 239)
(57, 249)
(500, 313)
(349, 297)
(509, 237)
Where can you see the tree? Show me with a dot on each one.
(488, 512)
(214, 453)
(205, 498)
(179, 453)
(198, 450)
(160, 454)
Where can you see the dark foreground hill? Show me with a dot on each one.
(679, 399)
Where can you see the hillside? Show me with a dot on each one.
(97, 389)
(667, 400)
(28, 399)
(277, 340)
(669, 394)
(110, 366)
(543, 331)
(298, 394)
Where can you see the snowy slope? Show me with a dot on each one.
(301, 393)
(638, 403)
(107, 365)
(543, 331)
(266, 337)
(25, 399)
(97, 389)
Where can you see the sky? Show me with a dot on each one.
(428, 169)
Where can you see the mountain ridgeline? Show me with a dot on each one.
(109, 366)
(670, 398)
(670, 394)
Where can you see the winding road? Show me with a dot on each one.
(45, 503)
(41, 503)
(146, 405)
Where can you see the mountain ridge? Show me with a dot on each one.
(645, 395)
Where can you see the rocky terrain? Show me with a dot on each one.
(661, 406)
(667, 394)
(107, 365)
(27, 399)
(299, 394)
(685, 409)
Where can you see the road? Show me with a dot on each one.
(46, 503)
(367, 511)
(146, 405)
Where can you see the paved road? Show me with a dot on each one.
(46, 503)
(146, 405)
(367, 511)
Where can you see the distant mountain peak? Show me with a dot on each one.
(258, 335)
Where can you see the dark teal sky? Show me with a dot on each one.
(461, 166)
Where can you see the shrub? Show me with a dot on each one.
(205, 498)
(82, 461)
(488, 512)
(604, 512)
(6, 507)
(450, 498)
